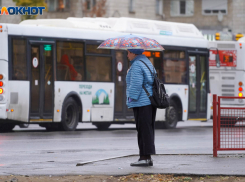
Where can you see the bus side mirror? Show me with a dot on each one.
(217, 59)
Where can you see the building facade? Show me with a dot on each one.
(238, 16)
(208, 15)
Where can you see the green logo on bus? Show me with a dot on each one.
(101, 97)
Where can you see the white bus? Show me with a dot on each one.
(227, 71)
(52, 74)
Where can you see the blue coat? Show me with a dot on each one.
(138, 75)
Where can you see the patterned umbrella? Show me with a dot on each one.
(131, 42)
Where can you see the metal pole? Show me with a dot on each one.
(218, 122)
(214, 125)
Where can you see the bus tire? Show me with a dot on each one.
(6, 127)
(70, 115)
(171, 116)
(102, 126)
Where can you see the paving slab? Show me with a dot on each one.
(179, 164)
(225, 164)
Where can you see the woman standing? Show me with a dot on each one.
(144, 112)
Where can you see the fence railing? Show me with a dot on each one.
(228, 126)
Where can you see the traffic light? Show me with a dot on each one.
(238, 36)
(217, 36)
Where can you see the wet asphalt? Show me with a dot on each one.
(188, 149)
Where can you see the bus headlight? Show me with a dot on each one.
(1, 98)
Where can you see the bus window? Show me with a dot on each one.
(193, 83)
(155, 58)
(174, 54)
(203, 84)
(70, 61)
(174, 67)
(19, 69)
(92, 48)
(98, 68)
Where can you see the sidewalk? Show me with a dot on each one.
(232, 164)
(179, 167)
(201, 163)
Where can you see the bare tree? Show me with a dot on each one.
(97, 10)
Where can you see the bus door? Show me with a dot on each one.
(41, 55)
(198, 84)
(121, 110)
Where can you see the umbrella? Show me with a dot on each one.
(131, 42)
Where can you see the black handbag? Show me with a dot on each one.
(159, 98)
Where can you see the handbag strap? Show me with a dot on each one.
(153, 76)
(147, 66)
(147, 93)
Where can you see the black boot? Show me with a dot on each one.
(144, 160)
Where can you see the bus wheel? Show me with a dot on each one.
(69, 115)
(102, 126)
(171, 116)
(6, 127)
